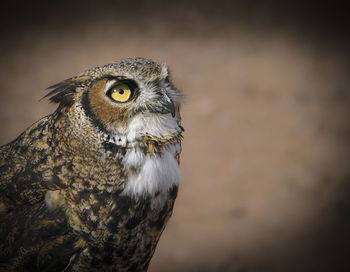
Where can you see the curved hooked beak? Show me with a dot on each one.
(166, 104)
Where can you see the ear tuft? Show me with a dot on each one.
(63, 92)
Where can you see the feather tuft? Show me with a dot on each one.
(63, 92)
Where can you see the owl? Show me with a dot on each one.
(91, 186)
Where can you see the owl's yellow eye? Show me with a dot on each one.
(120, 93)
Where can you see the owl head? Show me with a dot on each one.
(133, 97)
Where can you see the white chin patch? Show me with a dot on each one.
(156, 174)
(159, 126)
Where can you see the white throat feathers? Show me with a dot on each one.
(150, 174)
(153, 173)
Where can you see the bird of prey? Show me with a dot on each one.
(91, 186)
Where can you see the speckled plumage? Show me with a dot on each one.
(91, 186)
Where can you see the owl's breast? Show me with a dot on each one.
(99, 206)
(120, 230)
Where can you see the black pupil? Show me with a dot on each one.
(121, 91)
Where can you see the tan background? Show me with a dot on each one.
(265, 162)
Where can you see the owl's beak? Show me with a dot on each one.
(167, 104)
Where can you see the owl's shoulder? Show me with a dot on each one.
(21, 166)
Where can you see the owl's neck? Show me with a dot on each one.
(153, 146)
(147, 152)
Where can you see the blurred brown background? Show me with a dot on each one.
(265, 163)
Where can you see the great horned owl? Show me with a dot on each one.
(91, 186)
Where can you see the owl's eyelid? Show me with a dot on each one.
(131, 83)
(109, 85)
